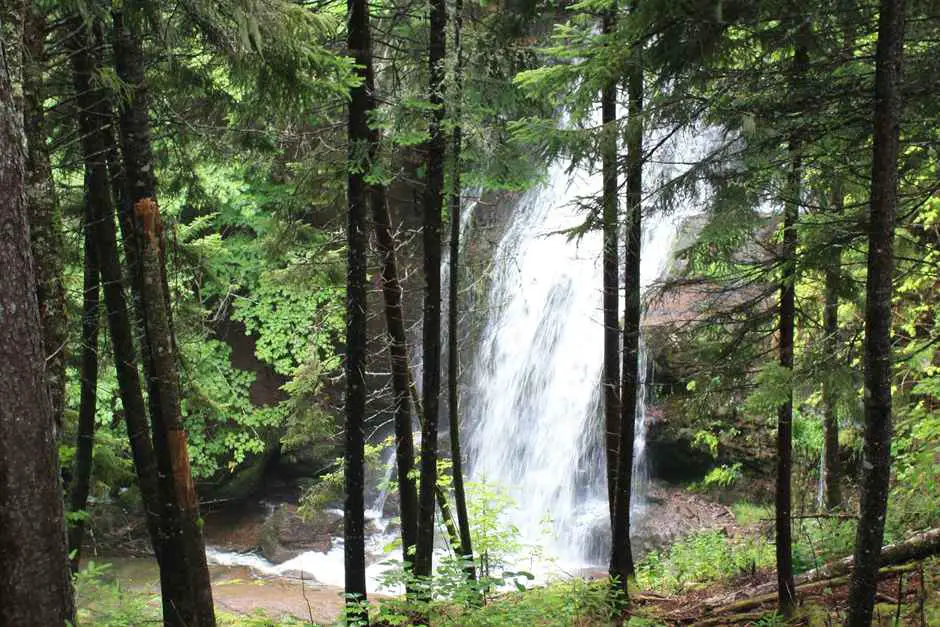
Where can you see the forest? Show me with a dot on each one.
(451, 313)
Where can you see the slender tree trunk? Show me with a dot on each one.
(831, 493)
(398, 357)
(611, 275)
(453, 356)
(786, 599)
(358, 42)
(181, 521)
(44, 216)
(447, 516)
(95, 116)
(34, 579)
(876, 469)
(395, 323)
(621, 562)
(433, 204)
(84, 445)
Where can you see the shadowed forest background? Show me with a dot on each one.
(452, 313)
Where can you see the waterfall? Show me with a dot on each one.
(533, 409)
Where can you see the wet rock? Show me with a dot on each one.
(285, 534)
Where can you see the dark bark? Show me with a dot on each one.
(611, 276)
(397, 338)
(443, 504)
(181, 524)
(783, 493)
(44, 216)
(453, 355)
(357, 198)
(831, 492)
(88, 403)
(876, 467)
(34, 578)
(398, 358)
(621, 561)
(433, 205)
(94, 119)
(786, 599)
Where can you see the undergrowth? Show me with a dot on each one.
(703, 558)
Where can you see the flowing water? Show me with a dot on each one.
(532, 407)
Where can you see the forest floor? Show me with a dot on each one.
(908, 594)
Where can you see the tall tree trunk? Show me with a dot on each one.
(88, 403)
(831, 492)
(453, 356)
(34, 578)
(876, 468)
(95, 116)
(398, 358)
(621, 561)
(433, 204)
(786, 599)
(358, 43)
(180, 512)
(783, 499)
(611, 275)
(395, 323)
(44, 217)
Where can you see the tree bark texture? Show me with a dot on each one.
(94, 118)
(453, 354)
(876, 464)
(34, 578)
(180, 505)
(357, 198)
(395, 325)
(398, 358)
(433, 205)
(783, 499)
(611, 276)
(621, 560)
(88, 402)
(45, 220)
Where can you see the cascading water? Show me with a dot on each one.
(534, 403)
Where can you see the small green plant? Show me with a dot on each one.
(723, 476)
(101, 600)
(773, 619)
(703, 558)
(747, 514)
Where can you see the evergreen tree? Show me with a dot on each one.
(33, 562)
(358, 43)
(453, 354)
(622, 566)
(88, 403)
(431, 338)
(876, 467)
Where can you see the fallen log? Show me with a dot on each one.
(802, 589)
(917, 547)
(729, 620)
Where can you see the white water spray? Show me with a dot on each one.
(534, 404)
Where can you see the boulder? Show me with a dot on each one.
(286, 534)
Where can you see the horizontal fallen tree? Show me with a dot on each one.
(916, 547)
